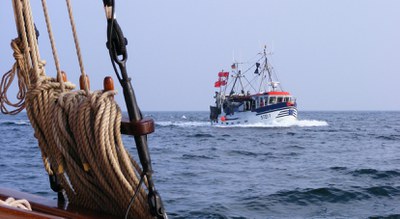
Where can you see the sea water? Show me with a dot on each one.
(326, 165)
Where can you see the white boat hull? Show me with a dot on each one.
(252, 117)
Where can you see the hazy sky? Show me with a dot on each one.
(332, 55)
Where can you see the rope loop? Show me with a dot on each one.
(19, 69)
(21, 203)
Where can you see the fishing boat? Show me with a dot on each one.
(252, 96)
(79, 131)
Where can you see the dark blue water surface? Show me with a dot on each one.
(326, 165)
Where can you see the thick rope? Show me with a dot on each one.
(31, 37)
(53, 44)
(24, 46)
(103, 157)
(19, 69)
(77, 47)
(78, 131)
(21, 203)
(29, 67)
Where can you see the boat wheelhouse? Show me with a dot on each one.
(240, 101)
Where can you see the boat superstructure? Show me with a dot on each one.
(244, 100)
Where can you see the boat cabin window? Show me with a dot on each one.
(248, 105)
(253, 104)
(280, 99)
(272, 100)
(287, 99)
(262, 102)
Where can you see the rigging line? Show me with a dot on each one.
(276, 76)
(32, 27)
(249, 83)
(251, 59)
(233, 86)
(226, 86)
(77, 47)
(53, 45)
(261, 82)
(23, 32)
(252, 80)
(252, 66)
(241, 84)
(31, 37)
(21, 28)
(245, 77)
(134, 196)
(272, 73)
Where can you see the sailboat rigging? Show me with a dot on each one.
(79, 131)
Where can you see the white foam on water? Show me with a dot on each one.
(310, 123)
(284, 123)
(22, 122)
(183, 123)
(16, 122)
(183, 117)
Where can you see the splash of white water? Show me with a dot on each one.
(183, 123)
(290, 123)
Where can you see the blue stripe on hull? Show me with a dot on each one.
(287, 112)
(271, 108)
(276, 109)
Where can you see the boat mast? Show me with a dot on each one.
(263, 76)
(238, 77)
(240, 81)
(234, 66)
(272, 83)
(220, 97)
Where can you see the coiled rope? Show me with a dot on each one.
(21, 203)
(78, 131)
(19, 69)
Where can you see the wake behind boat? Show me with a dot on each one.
(259, 100)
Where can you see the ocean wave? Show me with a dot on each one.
(389, 216)
(15, 123)
(192, 156)
(248, 153)
(382, 191)
(182, 123)
(295, 147)
(318, 195)
(295, 123)
(389, 137)
(213, 210)
(200, 135)
(333, 195)
(375, 174)
(283, 124)
(338, 168)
